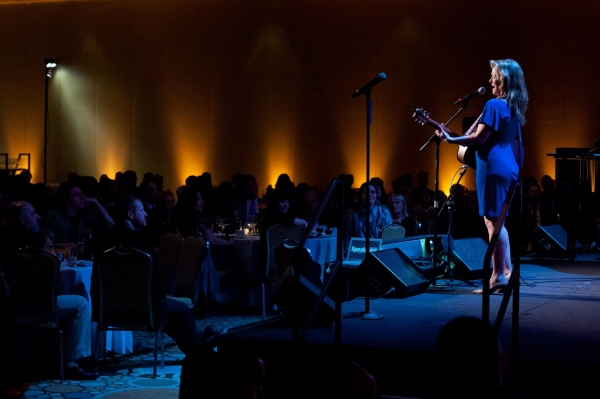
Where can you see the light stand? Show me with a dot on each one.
(50, 65)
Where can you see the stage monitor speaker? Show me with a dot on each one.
(418, 248)
(468, 255)
(551, 241)
(392, 269)
(295, 298)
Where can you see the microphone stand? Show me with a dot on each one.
(368, 314)
(450, 203)
(437, 140)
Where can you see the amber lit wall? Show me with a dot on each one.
(264, 86)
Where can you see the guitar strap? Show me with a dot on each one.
(519, 151)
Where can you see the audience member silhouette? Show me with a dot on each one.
(74, 214)
(379, 216)
(469, 360)
(176, 318)
(21, 231)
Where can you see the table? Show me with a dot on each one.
(323, 249)
(248, 251)
(77, 281)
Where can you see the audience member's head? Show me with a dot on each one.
(148, 176)
(130, 211)
(532, 194)
(377, 182)
(397, 207)
(109, 191)
(179, 190)
(469, 359)
(368, 193)
(191, 181)
(21, 214)
(188, 206)
(548, 184)
(159, 180)
(250, 187)
(148, 192)
(284, 182)
(310, 201)
(281, 200)
(166, 201)
(129, 182)
(70, 196)
(422, 179)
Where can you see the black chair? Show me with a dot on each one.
(125, 295)
(391, 232)
(276, 236)
(32, 275)
(188, 271)
(167, 260)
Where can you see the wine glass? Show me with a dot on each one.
(251, 223)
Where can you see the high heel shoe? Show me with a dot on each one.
(500, 286)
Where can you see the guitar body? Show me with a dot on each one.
(466, 155)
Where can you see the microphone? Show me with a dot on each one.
(464, 167)
(466, 98)
(366, 88)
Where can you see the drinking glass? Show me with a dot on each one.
(72, 260)
(251, 223)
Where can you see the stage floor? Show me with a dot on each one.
(558, 332)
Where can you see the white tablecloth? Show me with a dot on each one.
(77, 281)
(322, 248)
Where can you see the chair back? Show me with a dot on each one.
(277, 234)
(167, 260)
(392, 231)
(125, 289)
(32, 277)
(191, 257)
(287, 254)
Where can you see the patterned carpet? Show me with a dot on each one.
(130, 375)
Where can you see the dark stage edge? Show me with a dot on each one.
(558, 346)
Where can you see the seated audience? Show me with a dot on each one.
(380, 190)
(73, 311)
(309, 205)
(75, 213)
(176, 318)
(379, 216)
(249, 203)
(399, 213)
(423, 195)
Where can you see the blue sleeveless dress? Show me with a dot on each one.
(496, 164)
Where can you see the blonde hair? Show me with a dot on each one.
(513, 81)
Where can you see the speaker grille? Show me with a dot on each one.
(393, 269)
(468, 255)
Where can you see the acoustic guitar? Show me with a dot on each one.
(465, 155)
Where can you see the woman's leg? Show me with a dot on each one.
(501, 266)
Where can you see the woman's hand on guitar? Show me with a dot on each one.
(441, 133)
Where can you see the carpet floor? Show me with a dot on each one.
(130, 375)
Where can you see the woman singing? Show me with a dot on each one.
(497, 154)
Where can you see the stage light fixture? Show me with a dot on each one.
(50, 65)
